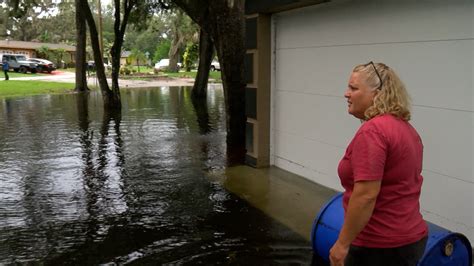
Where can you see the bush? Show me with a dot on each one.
(124, 70)
(162, 50)
(190, 56)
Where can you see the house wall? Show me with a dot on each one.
(68, 57)
(27, 53)
(428, 43)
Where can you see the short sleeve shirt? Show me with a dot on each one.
(388, 149)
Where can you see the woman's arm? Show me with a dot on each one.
(359, 210)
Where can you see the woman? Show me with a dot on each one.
(381, 175)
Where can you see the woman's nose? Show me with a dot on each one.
(347, 94)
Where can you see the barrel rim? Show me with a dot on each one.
(451, 235)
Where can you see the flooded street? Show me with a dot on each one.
(80, 186)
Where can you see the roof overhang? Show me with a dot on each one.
(275, 6)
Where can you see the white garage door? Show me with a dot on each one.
(430, 45)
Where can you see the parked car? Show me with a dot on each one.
(215, 66)
(43, 65)
(19, 63)
(163, 64)
(90, 66)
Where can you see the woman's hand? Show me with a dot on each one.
(338, 254)
(359, 210)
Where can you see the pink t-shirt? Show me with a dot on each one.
(389, 149)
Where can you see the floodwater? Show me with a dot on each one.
(80, 186)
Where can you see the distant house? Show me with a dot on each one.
(29, 48)
(126, 59)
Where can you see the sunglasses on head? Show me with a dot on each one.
(378, 75)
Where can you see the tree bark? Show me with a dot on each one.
(225, 22)
(81, 34)
(110, 100)
(206, 50)
(202, 114)
(174, 55)
(175, 47)
(116, 50)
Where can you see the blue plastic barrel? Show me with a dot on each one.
(443, 247)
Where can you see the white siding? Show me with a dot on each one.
(428, 43)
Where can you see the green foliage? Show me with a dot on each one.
(125, 70)
(53, 55)
(213, 75)
(190, 56)
(146, 39)
(182, 31)
(137, 57)
(47, 20)
(162, 50)
(44, 52)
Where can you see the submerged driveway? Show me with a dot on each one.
(146, 187)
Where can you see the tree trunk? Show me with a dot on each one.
(228, 33)
(206, 50)
(174, 53)
(110, 101)
(81, 34)
(116, 50)
(225, 21)
(176, 44)
(202, 114)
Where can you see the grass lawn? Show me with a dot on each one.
(216, 75)
(143, 69)
(13, 74)
(12, 88)
(73, 70)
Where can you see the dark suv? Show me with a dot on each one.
(43, 65)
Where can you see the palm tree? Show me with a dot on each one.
(137, 56)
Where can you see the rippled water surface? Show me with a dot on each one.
(80, 186)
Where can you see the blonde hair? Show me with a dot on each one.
(391, 97)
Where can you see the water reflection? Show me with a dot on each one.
(82, 186)
(202, 115)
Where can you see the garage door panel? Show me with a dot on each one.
(370, 22)
(440, 195)
(429, 44)
(314, 117)
(312, 159)
(325, 71)
(447, 138)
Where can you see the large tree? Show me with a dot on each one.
(111, 100)
(3, 22)
(120, 25)
(183, 31)
(224, 21)
(81, 36)
(206, 52)
(125, 11)
(147, 38)
(23, 16)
